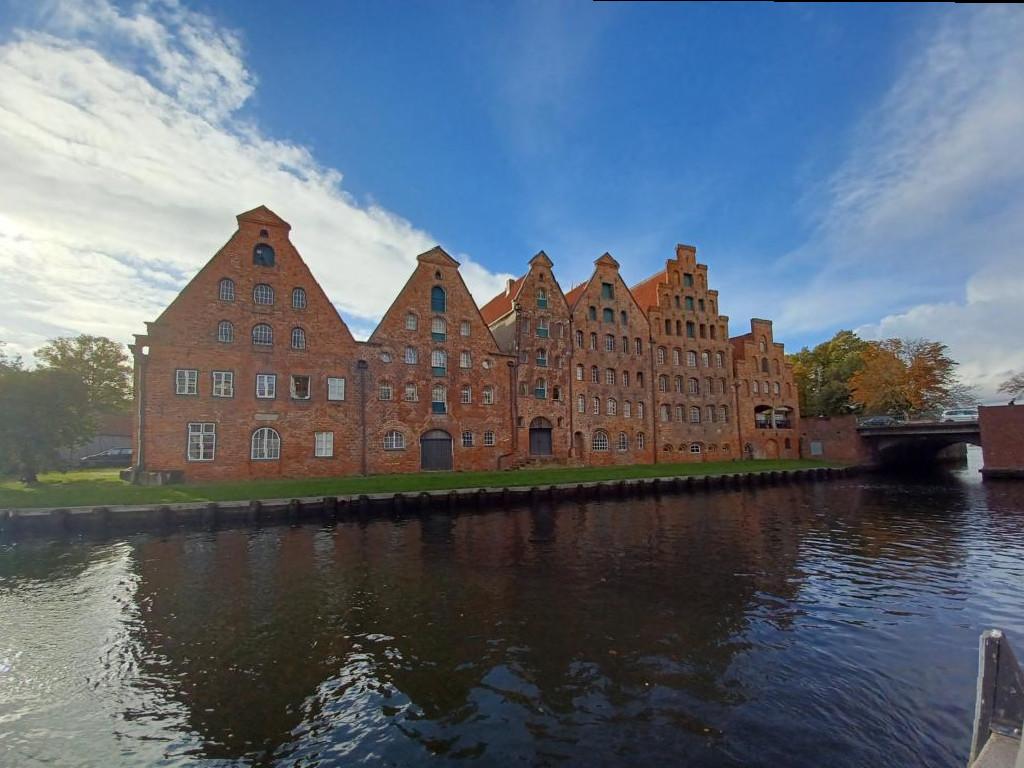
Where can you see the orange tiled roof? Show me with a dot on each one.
(646, 291)
(573, 296)
(501, 304)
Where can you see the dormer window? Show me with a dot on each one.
(263, 255)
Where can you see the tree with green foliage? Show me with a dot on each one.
(823, 374)
(44, 410)
(102, 365)
(8, 363)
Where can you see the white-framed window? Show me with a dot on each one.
(300, 389)
(639, 344)
(640, 409)
(335, 388)
(464, 328)
(599, 441)
(680, 413)
(627, 409)
(623, 442)
(394, 440)
(298, 338)
(593, 341)
(411, 356)
(540, 389)
(579, 339)
(755, 387)
(439, 362)
(542, 328)
(723, 414)
(641, 440)
(466, 394)
(581, 404)
(609, 376)
(711, 414)
(266, 445)
(323, 444)
(438, 329)
(694, 386)
(186, 382)
(467, 439)
(695, 414)
(579, 372)
(612, 406)
(663, 383)
(542, 298)
(625, 378)
(660, 355)
(694, 447)
(225, 332)
(542, 358)
(776, 388)
(666, 412)
(202, 441)
(266, 386)
(691, 358)
(597, 406)
(384, 390)
(262, 335)
(595, 374)
(298, 298)
(412, 393)
(719, 360)
(488, 395)
(263, 294)
(226, 289)
(439, 399)
(411, 322)
(223, 384)
(705, 359)
(677, 356)
(465, 360)
(609, 343)
(488, 439)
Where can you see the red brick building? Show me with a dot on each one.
(767, 406)
(693, 382)
(530, 321)
(611, 371)
(251, 372)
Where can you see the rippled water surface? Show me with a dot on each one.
(832, 624)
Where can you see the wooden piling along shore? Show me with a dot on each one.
(199, 514)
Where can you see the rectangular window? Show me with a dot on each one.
(411, 357)
(465, 360)
(412, 394)
(607, 291)
(467, 439)
(300, 387)
(202, 441)
(186, 382)
(384, 390)
(489, 439)
(609, 343)
(439, 362)
(488, 395)
(689, 303)
(335, 388)
(466, 395)
(266, 386)
(410, 322)
(464, 328)
(687, 280)
(223, 384)
(542, 358)
(438, 329)
(438, 401)
(323, 444)
(690, 330)
(542, 328)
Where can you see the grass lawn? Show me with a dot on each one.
(94, 487)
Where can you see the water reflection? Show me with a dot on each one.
(796, 625)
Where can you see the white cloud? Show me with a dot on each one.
(124, 159)
(923, 223)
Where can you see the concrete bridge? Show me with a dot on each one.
(999, 431)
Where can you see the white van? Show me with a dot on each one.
(960, 414)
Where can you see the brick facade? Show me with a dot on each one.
(1001, 429)
(297, 395)
(767, 406)
(693, 382)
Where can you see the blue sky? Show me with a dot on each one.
(836, 166)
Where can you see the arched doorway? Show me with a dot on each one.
(577, 445)
(540, 437)
(436, 450)
(771, 449)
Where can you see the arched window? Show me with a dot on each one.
(263, 294)
(394, 440)
(666, 413)
(579, 339)
(623, 441)
(763, 345)
(225, 332)
(640, 409)
(668, 327)
(623, 317)
(595, 374)
(385, 390)
(581, 404)
(597, 405)
(625, 378)
(439, 399)
(679, 384)
(579, 372)
(663, 383)
(755, 387)
(694, 447)
(627, 409)
(411, 356)
(298, 338)
(599, 442)
(705, 359)
(609, 376)
(540, 389)
(641, 440)
(691, 359)
(592, 313)
(466, 394)
(677, 356)
(609, 343)
(625, 345)
(488, 395)
(719, 360)
(439, 362)
(639, 344)
(438, 299)
(226, 290)
(266, 444)
(263, 255)
(298, 298)
(694, 386)
(262, 335)
(680, 414)
(775, 367)
(723, 414)
(776, 388)
(660, 355)
(608, 315)
(710, 414)
(411, 322)
(695, 415)
(764, 365)
(593, 341)
(612, 407)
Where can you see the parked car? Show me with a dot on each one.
(960, 414)
(112, 457)
(879, 421)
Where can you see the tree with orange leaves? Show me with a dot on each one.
(906, 376)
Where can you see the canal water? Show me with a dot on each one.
(830, 624)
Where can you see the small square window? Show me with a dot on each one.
(467, 439)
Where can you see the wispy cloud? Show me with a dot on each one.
(924, 221)
(125, 156)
